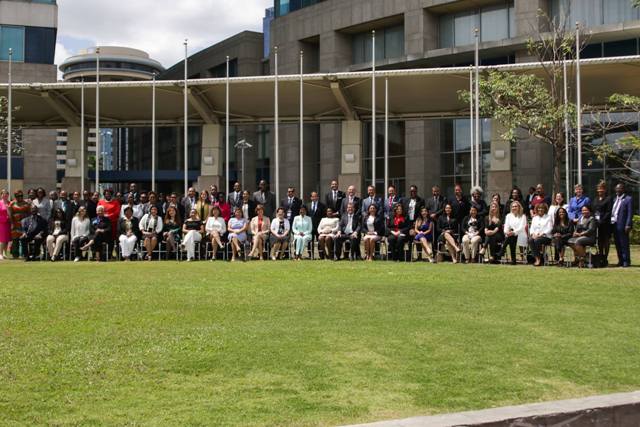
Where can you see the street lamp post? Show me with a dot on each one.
(242, 145)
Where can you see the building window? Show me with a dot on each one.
(11, 38)
(397, 158)
(389, 44)
(593, 12)
(627, 47)
(220, 71)
(494, 22)
(455, 151)
(284, 7)
(40, 45)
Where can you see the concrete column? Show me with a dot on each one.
(420, 31)
(500, 175)
(73, 172)
(422, 154)
(335, 51)
(212, 168)
(351, 163)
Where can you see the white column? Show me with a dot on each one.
(276, 127)
(386, 135)
(226, 130)
(9, 124)
(477, 91)
(471, 125)
(186, 120)
(578, 104)
(373, 108)
(98, 120)
(82, 140)
(153, 133)
(302, 125)
(566, 128)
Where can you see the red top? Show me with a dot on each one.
(225, 210)
(397, 221)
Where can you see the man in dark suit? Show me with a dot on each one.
(622, 222)
(34, 230)
(266, 198)
(291, 204)
(235, 197)
(350, 198)
(350, 226)
(65, 204)
(390, 202)
(371, 199)
(435, 203)
(317, 211)
(460, 204)
(188, 202)
(133, 190)
(412, 204)
(334, 198)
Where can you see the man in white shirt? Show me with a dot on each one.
(350, 225)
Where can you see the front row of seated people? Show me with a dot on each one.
(475, 235)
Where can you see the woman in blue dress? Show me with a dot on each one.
(237, 228)
(424, 233)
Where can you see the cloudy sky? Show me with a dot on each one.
(156, 26)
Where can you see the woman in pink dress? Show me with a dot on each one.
(5, 223)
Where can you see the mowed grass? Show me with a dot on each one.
(308, 343)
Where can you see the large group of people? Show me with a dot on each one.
(210, 224)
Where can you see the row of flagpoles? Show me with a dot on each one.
(474, 124)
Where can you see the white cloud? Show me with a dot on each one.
(62, 53)
(158, 27)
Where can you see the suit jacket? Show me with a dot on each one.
(268, 200)
(366, 202)
(445, 224)
(460, 208)
(389, 205)
(356, 223)
(251, 209)
(345, 203)
(336, 204)
(34, 225)
(479, 227)
(625, 213)
(187, 205)
(136, 197)
(435, 205)
(291, 210)
(481, 206)
(321, 212)
(403, 226)
(405, 204)
(378, 225)
(235, 203)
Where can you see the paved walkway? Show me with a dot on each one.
(620, 409)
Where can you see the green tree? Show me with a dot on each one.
(530, 106)
(16, 132)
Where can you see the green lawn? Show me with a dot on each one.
(309, 343)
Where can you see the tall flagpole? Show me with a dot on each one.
(153, 133)
(186, 120)
(302, 125)
(373, 108)
(276, 127)
(226, 131)
(82, 141)
(9, 124)
(471, 124)
(578, 103)
(386, 134)
(477, 94)
(566, 128)
(98, 120)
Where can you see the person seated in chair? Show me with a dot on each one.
(172, 230)
(540, 231)
(424, 231)
(493, 230)
(260, 228)
(448, 228)
(58, 229)
(327, 230)
(350, 226)
(101, 229)
(151, 226)
(399, 226)
(279, 235)
(80, 232)
(192, 231)
(561, 233)
(34, 231)
(215, 229)
(237, 228)
(584, 235)
(302, 230)
(472, 228)
(515, 231)
(372, 231)
(129, 232)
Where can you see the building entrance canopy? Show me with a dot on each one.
(413, 94)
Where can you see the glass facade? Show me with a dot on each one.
(389, 44)
(455, 152)
(495, 22)
(397, 158)
(626, 47)
(283, 7)
(11, 38)
(593, 12)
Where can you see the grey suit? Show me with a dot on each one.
(268, 200)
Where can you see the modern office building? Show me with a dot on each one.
(336, 36)
(117, 145)
(29, 28)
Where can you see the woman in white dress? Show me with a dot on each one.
(515, 231)
(215, 229)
